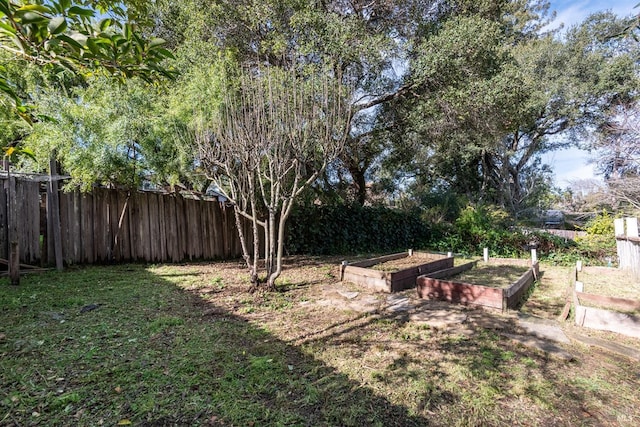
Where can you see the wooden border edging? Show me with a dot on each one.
(602, 318)
(432, 286)
(381, 281)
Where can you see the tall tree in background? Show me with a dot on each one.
(489, 103)
(109, 133)
(367, 41)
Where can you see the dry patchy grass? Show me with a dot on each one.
(610, 282)
(187, 345)
(497, 276)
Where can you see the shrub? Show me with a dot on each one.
(346, 229)
(599, 245)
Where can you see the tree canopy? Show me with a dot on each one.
(447, 100)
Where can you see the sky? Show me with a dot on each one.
(573, 164)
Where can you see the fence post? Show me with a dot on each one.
(14, 245)
(53, 213)
(632, 227)
(618, 225)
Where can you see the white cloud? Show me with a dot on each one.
(570, 13)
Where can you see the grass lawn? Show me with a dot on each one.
(187, 345)
(610, 282)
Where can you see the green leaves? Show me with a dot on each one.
(14, 152)
(79, 11)
(60, 34)
(57, 25)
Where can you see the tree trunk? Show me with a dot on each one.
(360, 183)
(271, 282)
(253, 272)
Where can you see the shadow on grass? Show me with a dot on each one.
(151, 354)
(481, 377)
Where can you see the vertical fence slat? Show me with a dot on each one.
(171, 228)
(64, 224)
(226, 241)
(52, 233)
(134, 219)
(106, 225)
(189, 229)
(22, 220)
(145, 243)
(112, 229)
(218, 243)
(206, 232)
(197, 229)
(77, 227)
(4, 225)
(99, 208)
(181, 215)
(86, 226)
(628, 245)
(123, 231)
(34, 197)
(154, 227)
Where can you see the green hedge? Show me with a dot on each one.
(349, 229)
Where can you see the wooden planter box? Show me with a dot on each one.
(610, 317)
(384, 281)
(434, 286)
(607, 320)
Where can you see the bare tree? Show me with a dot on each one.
(618, 155)
(275, 135)
(618, 143)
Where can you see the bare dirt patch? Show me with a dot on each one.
(497, 276)
(402, 263)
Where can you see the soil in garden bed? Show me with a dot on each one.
(496, 276)
(402, 263)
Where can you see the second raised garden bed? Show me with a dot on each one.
(396, 272)
(452, 285)
(611, 303)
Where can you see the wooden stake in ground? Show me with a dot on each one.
(14, 247)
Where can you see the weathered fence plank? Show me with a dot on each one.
(52, 237)
(173, 246)
(154, 227)
(101, 227)
(64, 225)
(86, 221)
(628, 245)
(4, 214)
(121, 240)
(110, 225)
(145, 241)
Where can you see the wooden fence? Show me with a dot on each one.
(628, 244)
(27, 225)
(110, 225)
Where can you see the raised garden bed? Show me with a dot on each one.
(610, 301)
(497, 284)
(396, 272)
